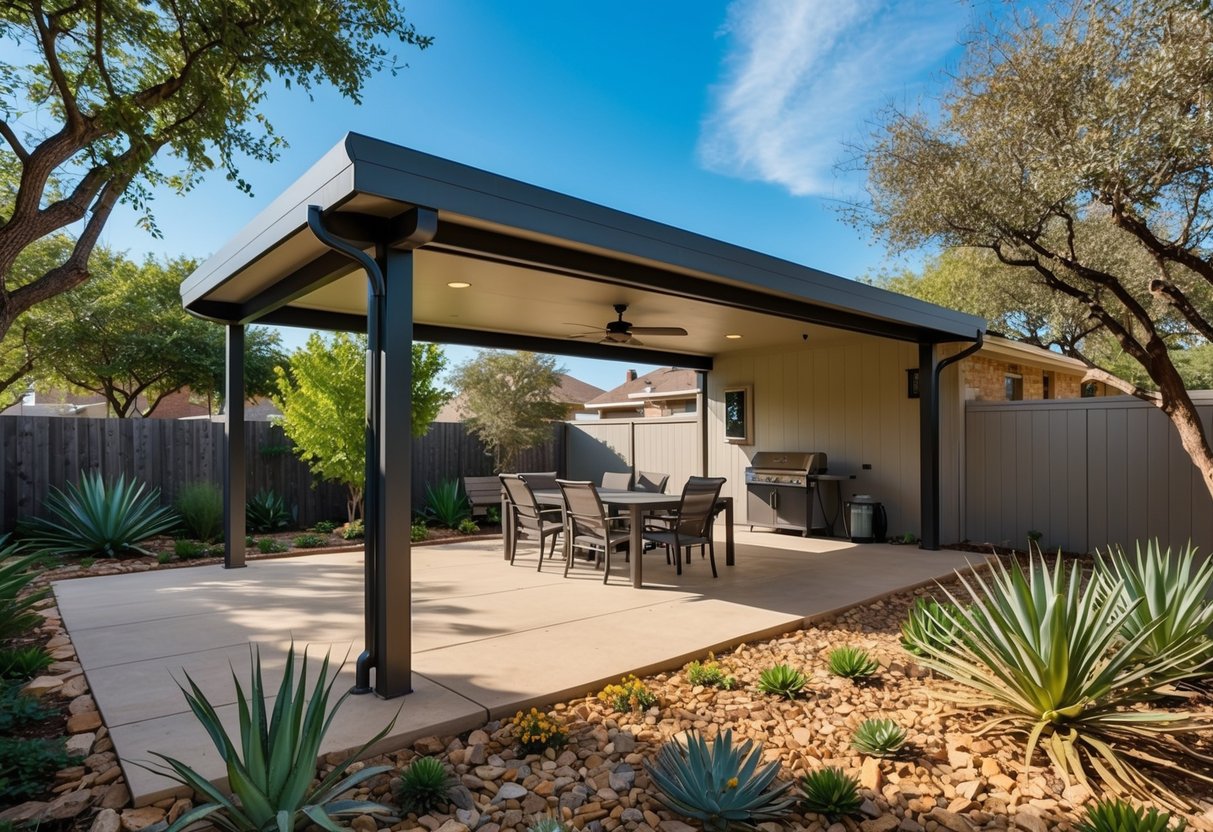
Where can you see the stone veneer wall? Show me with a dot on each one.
(987, 376)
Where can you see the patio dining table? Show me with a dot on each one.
(637, 504)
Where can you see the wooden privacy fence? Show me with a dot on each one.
(44, 452)
(1085, 473)
(671, 445)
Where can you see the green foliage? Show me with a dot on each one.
(879, 738)
(548, 823)
(18, 708)
(630, 695)
(17, 602)
(354, 530)
(324, 527)
(493, 515)
(425, 786)
(782, 680)
(266, 512)
(27, 767)
(418, 532)
(509, 403)
(929, 626)
(537, 731)
(95, 518)
(310, 541)
(719, 783)
(269, 546)
(1121, 816)
(468, 526)
(23, 663)
(271, 764)
(446, 504)
(709, 674)
(1165, 597)
(190, 549)
(201, 509)
(322, 398)
(852, 662)
(163, 557)
(1050, 659)
(831, 792)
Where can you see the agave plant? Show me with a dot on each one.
(879, 738)
(266, 512)
(782, 680)
(424, 786)
(831, 792)
(100, 520)
(1050, 658)
(928, 623)
(446, 504)
(1166, 597)
(719, 783)
(272, 766)
(852, 663)
(17, 603)
(1119, 816)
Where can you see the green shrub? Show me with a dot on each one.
(493, 515)
(249, 541)
(831, 792)
(446, 504)
(1048, 656)
(709, 674)
(354, 530)
(28, 766)
(418, 532)
(190, 549)
(266, 512)
(929, 626)
(17, 708)
(719, 783)
(324, 527)
(17, 602)
(1121, 816)
(23, 663)
(630, 695)
(537, 731)
(163, 557)
(310, 541)
(271, 764)
(85, 563)
(94, 518)
(468, 526)
(852, 663)
(425, 786)
(268, 546)
(879, 738)
(201, 509)
(782, 680)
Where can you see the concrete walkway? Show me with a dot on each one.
(488, 638)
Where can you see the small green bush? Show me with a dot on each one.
(493, 515)
(831, 792)
(1122, 816)
(782, 680)
(852, 662)
(879, 738)
(28, 766)
(163, 557)
(354, 530)
(310, 541)
(190, 549)
(425, 786)
(268, 546)
(17, 708)
(266, 512)
(468, 526)
(418, 532)
(249, 541)
(709, 674)
(324, 527)
(85, 563)
(201, 509)
(23, 663)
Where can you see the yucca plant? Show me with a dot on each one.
(927, 623)
(831, 792)
(852, 663)
(719, 783)
(271, 766)
(424, 786)
(1171, 593)
(266, 512)
(782, 680)
(446, 504)
(1049, 657)
(1121, 816)
(879, 738)
(99, 519)
(17, 602)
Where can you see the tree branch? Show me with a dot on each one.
(10, 136)
(1097, 374)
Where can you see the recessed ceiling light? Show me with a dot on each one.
(732, 337)
(458, 284)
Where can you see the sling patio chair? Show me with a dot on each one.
(691, 525)
(588, 526)
(529, 518)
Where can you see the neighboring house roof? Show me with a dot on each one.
(1019, 352)
(663, 383)
(570, 391)
(179, 405)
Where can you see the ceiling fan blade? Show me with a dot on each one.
(594, 334)
(587, 326)
(659, 330)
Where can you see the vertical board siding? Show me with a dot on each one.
(669, 445)
(1086, 473)
(40, 453)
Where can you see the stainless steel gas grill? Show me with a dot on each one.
(784, 491)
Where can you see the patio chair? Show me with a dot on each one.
(530, 518)
(652, 481)
(539, 480)
(692, 524)
(588, 526)
(616, 479)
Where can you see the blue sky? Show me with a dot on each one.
(727, 119)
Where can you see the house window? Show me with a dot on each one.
(1014, 387)
(1047, 386)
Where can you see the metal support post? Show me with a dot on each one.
(233, 449)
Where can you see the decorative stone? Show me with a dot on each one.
(429, 745)
(884, 823)
(675, 826)
(74, 687)
(107, 820)
(1030, 820)
(489, 772)
(134, 820)
(870, 775)
(43, 685)
(510, 791)
(624, 743)
(364, 823)
(68, 805)
(80, 745)
(23, 812)
(80, 723)
(622, 778)
(950, 820)
(81, 704)
(474, 755)
(179, 808)
(116, 796)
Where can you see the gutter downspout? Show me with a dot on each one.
(370, 496)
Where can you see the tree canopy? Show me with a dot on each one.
(322, 398)
(1078, 147)
(507, 398)
(94, 91)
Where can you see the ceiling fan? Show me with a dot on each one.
(623, 332)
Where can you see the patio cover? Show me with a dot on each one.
(370, 240)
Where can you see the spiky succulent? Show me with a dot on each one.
(782, 680)
(929, 624)
(852, 662)
(99, 519)
(425, 786)
(831, 792)
(879, 738)
(1122, 816)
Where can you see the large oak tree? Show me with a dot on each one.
(104, 100)
(1061, 141)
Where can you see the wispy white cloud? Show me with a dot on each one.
(802, 76)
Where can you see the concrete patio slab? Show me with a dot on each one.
(488, 638)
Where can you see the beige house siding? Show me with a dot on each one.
(847, 397)
(667, 446)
